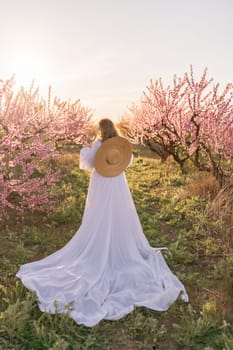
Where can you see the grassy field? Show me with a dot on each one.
(177, 211)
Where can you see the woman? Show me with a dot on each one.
(108, 267)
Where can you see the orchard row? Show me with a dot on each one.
(190, 120)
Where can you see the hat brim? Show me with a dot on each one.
(124, 149)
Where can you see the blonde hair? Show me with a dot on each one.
(107, 129)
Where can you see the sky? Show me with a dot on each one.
(104, 52)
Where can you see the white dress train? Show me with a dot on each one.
(108, 267)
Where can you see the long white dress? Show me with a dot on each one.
(108, 267)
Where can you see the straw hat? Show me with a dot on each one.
(113, 156)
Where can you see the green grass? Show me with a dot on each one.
(200, 254)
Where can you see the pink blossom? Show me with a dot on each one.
(30, 128)
(190, 120)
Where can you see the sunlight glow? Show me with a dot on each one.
(27, 67)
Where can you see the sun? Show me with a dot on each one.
(26, 67)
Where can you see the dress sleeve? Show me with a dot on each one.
(87, 155)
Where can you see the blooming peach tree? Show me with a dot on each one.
(30, 129)
(190, 120)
